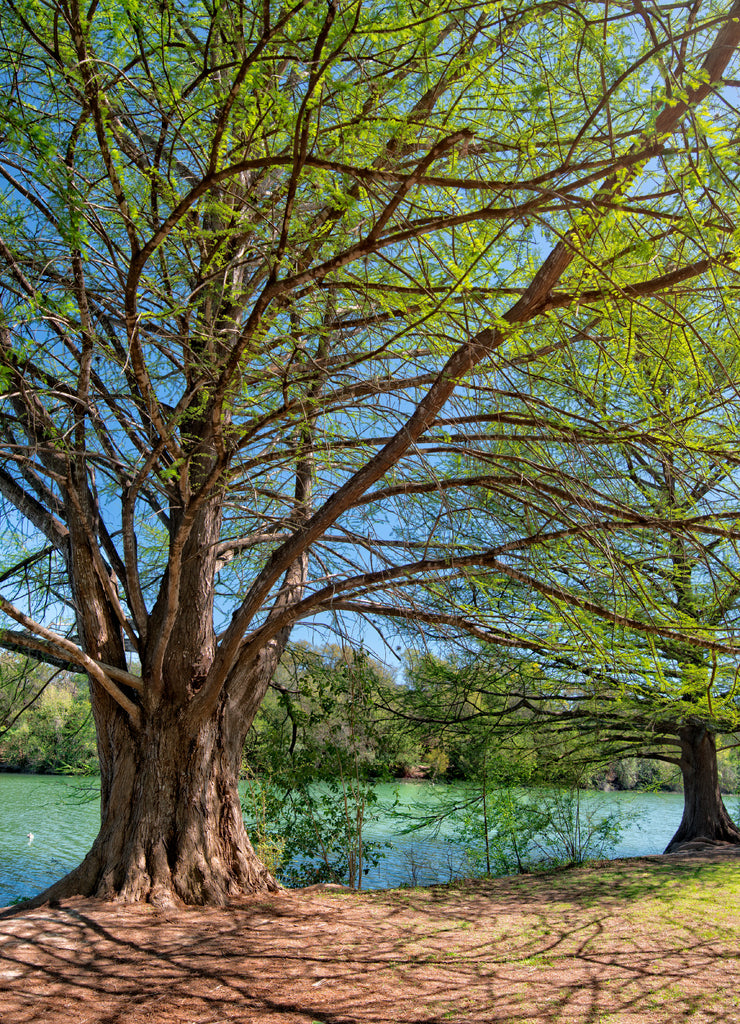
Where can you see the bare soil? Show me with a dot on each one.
(653, 940)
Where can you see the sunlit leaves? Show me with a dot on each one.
(256, 234)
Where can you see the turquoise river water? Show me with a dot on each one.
(63, 820)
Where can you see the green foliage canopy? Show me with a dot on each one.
(294, 223)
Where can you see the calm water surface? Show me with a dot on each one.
(64, 824)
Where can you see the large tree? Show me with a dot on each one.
(250, 254)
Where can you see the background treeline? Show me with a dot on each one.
(45, 719)
(332, 713)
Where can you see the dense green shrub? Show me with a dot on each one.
(55, 733)
(311, 761)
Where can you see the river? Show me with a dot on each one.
(62, 819)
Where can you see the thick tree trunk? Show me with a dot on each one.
(171, 822)
(172, 828)
(705, 817)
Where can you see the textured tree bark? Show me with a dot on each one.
(705, 817)
(172, 828)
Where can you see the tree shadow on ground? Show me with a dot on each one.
(569, 947)
(655, 877)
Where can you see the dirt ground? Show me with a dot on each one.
(646, 941)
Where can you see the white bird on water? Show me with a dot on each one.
(30, 838)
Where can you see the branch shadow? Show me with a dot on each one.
(647, 941)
